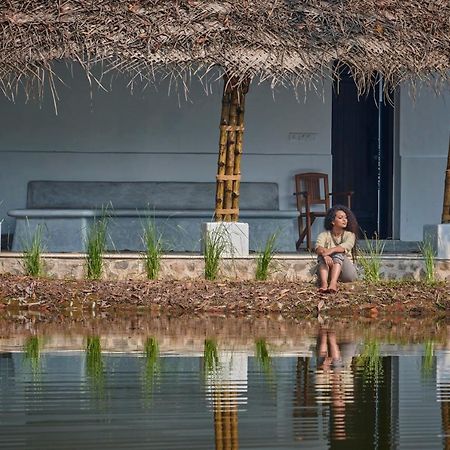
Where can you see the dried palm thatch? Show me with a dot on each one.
(284, 41)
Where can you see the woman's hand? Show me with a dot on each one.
(328, 261)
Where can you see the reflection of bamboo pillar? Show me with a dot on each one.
(225, 420)
(230, 150)
(445, 413)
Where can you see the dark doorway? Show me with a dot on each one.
(362, 150)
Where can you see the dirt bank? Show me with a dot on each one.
(229, 297)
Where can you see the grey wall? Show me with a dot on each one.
(152, 135)
(423, 146)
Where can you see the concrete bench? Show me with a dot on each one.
(66, 210)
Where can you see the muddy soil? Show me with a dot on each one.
(225, 297)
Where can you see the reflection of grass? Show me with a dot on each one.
(94, 362)
(371, 361)
(152, 366)
(32, 353)
(262, 355)
(210, 357)
(428, 358)
(265, 362)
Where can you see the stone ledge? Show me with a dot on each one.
(189, 267)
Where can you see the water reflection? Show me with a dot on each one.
(248, 384)
(226, 373)
(32, 353)
(95, 370)
(152, 365)
(442, 357)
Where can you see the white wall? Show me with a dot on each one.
(156, 136)
(423, 146)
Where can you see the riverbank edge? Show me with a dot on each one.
(290, 299)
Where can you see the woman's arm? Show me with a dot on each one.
(329, 251)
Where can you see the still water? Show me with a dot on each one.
(223, 383)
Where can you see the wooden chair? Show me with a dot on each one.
(312, 191)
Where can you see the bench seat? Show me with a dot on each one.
(65, 228)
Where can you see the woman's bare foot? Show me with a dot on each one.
(332, 287)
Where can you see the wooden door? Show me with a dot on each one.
(362, 155)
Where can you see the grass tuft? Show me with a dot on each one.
(429, 256)
(32, 255)
(265, 258)
(96, 247)
(153, 249)
(216, 243)
(370, 259)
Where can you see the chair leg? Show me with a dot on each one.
(308, 232)
(301, 232)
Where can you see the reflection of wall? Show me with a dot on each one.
(413, 390)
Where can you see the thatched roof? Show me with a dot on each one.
(287, 41)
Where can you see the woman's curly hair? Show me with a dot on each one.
(352, 223)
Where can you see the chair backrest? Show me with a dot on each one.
(316, 185)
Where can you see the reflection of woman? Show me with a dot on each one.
(334, 378)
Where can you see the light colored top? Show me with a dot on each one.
(347, 241)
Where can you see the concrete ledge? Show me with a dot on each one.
(66, 230)
(292, 267)
(439, 237)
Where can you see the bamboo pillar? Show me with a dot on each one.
(230, 150)
(446, 205)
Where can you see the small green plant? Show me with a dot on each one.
(210, 357)
(429, 255)
(153, 249)
(94, 361)
(96, 247)
(152, 366)
(265, 257)
(370, 258)
(215, 244)
(32, 352)
(32, 254)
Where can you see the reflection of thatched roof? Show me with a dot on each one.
(280, 40)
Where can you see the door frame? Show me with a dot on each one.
(388, 179)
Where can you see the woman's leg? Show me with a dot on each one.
(335, 272)
(323, 275)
